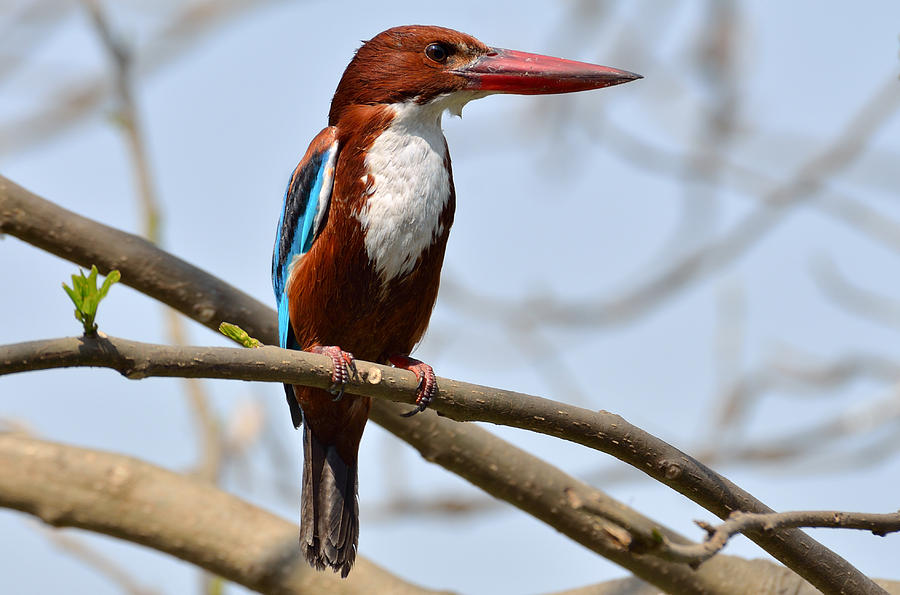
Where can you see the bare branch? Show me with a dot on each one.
(563, 502)
(460, 401)
(739, 522)
(133, 500)
(120, 496)
(81, 240)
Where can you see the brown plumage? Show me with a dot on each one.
(392, 68)
(337, 298)
(368, 281)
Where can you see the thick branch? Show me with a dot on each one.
(124, 497)
(120, 496)
(182, 286)
(569, 501)
(148, 269)
(778, 579)
(574, 508)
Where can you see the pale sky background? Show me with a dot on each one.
(538, 214)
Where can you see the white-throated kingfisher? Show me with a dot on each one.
(362, 235)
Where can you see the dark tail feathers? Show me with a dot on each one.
(329, 510)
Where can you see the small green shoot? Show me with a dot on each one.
(236, 333)
(87, 296)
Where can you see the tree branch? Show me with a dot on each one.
(133, 500)
(183, 287)
(126, 498)
(539, 489)
(129, 123)
(150, 270)
(740, 522)
(863, 302)
(560, 501)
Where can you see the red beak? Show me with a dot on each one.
(511, 71)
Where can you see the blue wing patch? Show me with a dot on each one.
(303, 216)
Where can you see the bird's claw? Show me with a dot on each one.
(427, 388)
(342, 364)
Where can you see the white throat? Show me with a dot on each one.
(411, 187)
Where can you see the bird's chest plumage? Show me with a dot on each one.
(371, 279)
(408, 188)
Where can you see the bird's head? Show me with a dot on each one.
(445, 68)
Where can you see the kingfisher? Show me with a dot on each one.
(362, 234)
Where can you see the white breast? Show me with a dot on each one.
(401, 216)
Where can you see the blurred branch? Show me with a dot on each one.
(862, 302)
(33, 219)
(126, 498)
(861, 422)
(704, 162)
(128, 118)
(72, 102)
(707, 259)
(875, 424)
(846, 209)
(865, 219)
(25, 30)
(743, 579)
(794, 373)
(547, 361)
(788, 373)
(102, 564)
(446, 504)
(727, 350)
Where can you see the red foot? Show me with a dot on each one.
(427, 383)
(342, 364)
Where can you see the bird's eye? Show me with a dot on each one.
(437, 52)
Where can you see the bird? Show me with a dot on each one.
(362, 235)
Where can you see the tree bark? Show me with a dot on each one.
(66, 486)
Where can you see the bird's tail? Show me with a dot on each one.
(329, 510)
